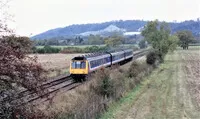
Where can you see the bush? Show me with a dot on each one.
(105, 87)
(134, 69)
(151, 57)
(47, 49)
(18, 71)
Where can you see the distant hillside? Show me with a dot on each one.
(72, 30)
(191, 25)
(107, 27)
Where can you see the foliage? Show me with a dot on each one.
(113, 41)
(151, 58)
(47, 49)
(173, 42)
(134, 69)
(185, 37)
(142, 44)
(95, 40)
(16, 66)
(106, 85)
(158, 35)
(17, 71)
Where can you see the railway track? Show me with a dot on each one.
(61, 83)
(49, 89)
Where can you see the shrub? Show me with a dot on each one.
(105, 87)
(17, 71)
(134, 69)
(151, 57)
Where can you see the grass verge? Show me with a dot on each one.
(169, 92)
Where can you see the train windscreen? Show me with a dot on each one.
(78, 65)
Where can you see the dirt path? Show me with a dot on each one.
(172, 91)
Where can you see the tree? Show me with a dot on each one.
(95, 40)
(158, 35)
(113, 41)
(173, 42)
(185, 37)
(17, 70)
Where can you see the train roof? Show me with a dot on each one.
(95, 54)
(90, 55)
(119, 50)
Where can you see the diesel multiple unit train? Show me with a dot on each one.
(81, 66)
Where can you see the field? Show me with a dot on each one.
(55, 64)
(171, 91)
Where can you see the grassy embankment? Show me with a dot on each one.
(171, 91)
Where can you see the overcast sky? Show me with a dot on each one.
(36, 16)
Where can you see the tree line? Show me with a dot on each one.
(89, 40)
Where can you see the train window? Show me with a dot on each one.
(93, 63)
(107, 59)
(96, 63)
(83, 65)
(78, 65)
(73, 65)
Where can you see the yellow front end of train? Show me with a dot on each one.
(79, 67)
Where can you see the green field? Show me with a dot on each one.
(170, 92)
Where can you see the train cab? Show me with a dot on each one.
(79, 67)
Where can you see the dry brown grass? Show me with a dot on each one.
(55, 64)
(82, 102)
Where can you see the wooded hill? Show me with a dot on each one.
(122, 26)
